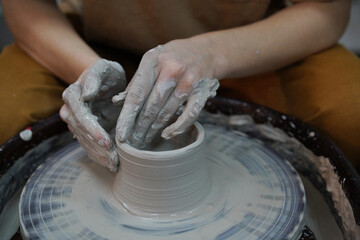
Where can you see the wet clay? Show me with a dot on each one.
(172, 177)
(317, 168)
(253, 194)
(181, 141)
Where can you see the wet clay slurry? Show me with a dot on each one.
(254, 194)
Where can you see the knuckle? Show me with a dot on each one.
(174, 67)
(119, 69)
(150, 54)
(89, 77)
(136, 96)
(162, 56)
(79, 118)
(191, 76)
(187, 84)
(69, 91)
(164, 116)
(189, 80)
(153, 129)
(101, 62)
(150, 113)
(192, 116)
(108, 69)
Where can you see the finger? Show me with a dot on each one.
(64, 113)
(120, 98)
(90, 84)
(141, 86)
(113, 81)
(204, 89)
(113, 160)
(72, 127)
(102, 76)
(83, 118)
(163, 88)
(92, 77)
(107, 158)
(175, 101)
(191, 112)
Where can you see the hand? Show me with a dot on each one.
(169, 75)
(90, 113)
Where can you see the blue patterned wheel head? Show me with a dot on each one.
(255, 195)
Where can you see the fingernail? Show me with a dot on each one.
(119, 99)
(120, 135)
(102, 142)
(64, 113)
(63, 116)
(165, 135)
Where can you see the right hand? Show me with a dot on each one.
(90, 113)
(181, 71)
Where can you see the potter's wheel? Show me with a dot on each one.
(255, 195)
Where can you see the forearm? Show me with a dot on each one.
(44, 33)
(284, 38)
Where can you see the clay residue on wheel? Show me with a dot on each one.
(318, 169)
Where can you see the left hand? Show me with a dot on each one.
(169, 75)
(90, 113)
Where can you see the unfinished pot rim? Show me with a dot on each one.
(158, 155)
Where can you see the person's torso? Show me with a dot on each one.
(139, 25)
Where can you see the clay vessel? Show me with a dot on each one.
(171, 177)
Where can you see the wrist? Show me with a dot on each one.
(87, 61)
(214, 46)
(84, 63)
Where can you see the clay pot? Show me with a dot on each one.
(172, 177)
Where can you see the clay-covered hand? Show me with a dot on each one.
(181, 71)
(90, 113)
